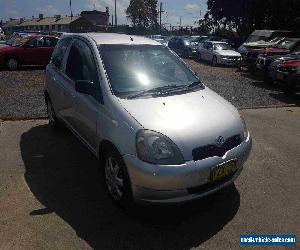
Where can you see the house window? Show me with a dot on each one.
(53, 27)
(59, 27)
(46, 27)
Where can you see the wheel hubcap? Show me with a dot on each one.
(114, 178)
(12, 63)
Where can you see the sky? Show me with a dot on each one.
(189, 10)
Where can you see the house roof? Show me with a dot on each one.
(12, 23)
(49, 21)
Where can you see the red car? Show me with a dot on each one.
(34, 50)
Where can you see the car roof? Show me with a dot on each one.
(114, 38)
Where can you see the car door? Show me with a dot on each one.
(31, 52)
(86, 107)
(59, 86)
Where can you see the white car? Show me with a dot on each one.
(2, 35)
(218, 53)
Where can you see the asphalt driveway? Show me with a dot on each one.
(52, 195)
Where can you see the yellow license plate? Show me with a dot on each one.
(280, 76)
(223, 170)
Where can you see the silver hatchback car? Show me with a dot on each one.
(159, 133)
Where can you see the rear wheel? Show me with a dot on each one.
(214, 61)
(186, 54)
(199, 57)
(12, 63)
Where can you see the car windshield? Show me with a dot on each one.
(286, 44)
(135, 68)
(222, 46)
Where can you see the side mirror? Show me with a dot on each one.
(85, 87)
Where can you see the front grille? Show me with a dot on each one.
(213, 150)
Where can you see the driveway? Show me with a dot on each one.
(52, 195)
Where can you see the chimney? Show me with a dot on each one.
(107, 10)
(41, 16)
(57, 17)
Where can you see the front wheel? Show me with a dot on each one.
(12, 63)
(53, 121)
(117, 179)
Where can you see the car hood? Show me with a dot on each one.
(190, 120)
(228, 53)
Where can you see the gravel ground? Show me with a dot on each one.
(21, 92)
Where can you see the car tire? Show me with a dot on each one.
(186, 54)
(54, 123)
(116, 178)
(12, 63)
(199, 57)
(214, 61)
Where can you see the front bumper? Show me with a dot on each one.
(230, 61)
(191, 180)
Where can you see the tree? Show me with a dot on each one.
(142, 13)
(247, 15)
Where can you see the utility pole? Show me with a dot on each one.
(180, 21)
(116, 21)
(160, 13)
(112, 20)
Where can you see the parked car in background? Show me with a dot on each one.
(160, 134)
(2, 35)
(291, 80)
(199, 39)
(218, 53)
(266, 56)
(234, 42)
(183, 46)
(32, 50)
(15, 38)
(285, 71)
(264, 38)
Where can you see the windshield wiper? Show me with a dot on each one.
(158, 90)
(166, 89)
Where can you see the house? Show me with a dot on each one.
(88, 21)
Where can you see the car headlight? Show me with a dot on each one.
(153, 147)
